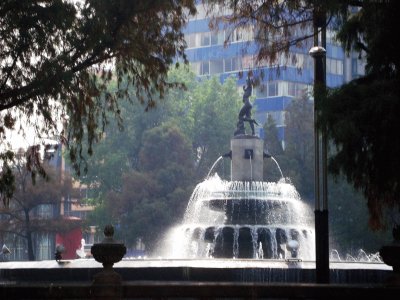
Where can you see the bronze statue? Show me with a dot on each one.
(245, 111)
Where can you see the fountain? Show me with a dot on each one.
(239, 230)
(241, 219)
(245, 217)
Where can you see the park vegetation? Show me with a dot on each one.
(141, 178)
(57, 59)
(360, 117)
(105, 65)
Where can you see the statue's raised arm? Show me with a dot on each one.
(247, 89)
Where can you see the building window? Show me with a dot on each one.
(233, 64)
(195, 67)
(248, 62)
(272, 89)
(292, 89)
(269, 89)
(204, 39)
(19, 248)
(240, 34)
(331, 37)
(44, 242)
(217, 38)
(261, 91)
(299, 60)
(191, 40)
(334, 66)
(340, 67)
(44, 211)
(216, 66)
(297, 90)
(205, 68)
(354, 71)
(201, 67)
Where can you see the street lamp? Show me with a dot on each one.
(321, 207)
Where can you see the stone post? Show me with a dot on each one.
(107, 283)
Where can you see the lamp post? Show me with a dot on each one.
(321, 205)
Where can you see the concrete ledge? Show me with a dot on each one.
(216, 270)
(144, 290)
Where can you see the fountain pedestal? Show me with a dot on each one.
(247, 158)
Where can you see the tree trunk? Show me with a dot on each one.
(31, 254)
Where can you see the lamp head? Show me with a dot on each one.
(317, 51)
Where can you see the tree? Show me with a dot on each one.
(214, 112)
(155, 166)
(300, 144)
(117, 152)
(58, 58)
(21, 217)
(360, 118)
(347, 207)
(348, 210)
(153, 199)
(273, 146)
(206, 112)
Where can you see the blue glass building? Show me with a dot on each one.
(232, 52)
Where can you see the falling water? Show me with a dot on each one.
(235, 219)
(361, 256)
(251, 169)
(335, 256)
(279, 168)
(260, 252)
(213, 166)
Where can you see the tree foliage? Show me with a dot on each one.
(215, 111)
(360, 117)
(118, 149)
(154, 198)
(272, 146)
(141, 177)
(300, 144)
(347, 206)
(58, 58)
(279, 26)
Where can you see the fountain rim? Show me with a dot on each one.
(256, 226)
(252, 198)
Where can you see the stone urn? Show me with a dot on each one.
(108, 252)
(391, 256)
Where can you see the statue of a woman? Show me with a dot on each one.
(245, 111)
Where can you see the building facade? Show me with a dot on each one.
(66, 210)
(232, 52)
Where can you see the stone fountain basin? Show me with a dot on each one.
(247, 204)
(218, 270)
